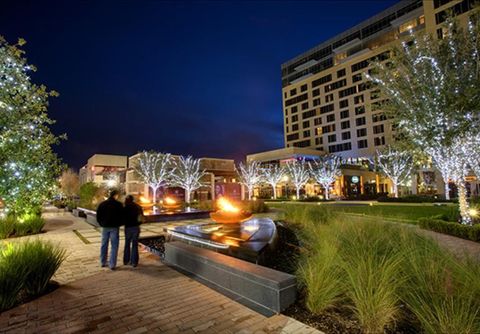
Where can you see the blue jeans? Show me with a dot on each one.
(131, 244)
(109, 233)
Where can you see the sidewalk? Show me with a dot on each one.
(152, 298)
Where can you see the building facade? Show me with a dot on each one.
(327, 103)
(329, 106)
(105, 170)
(357, 179)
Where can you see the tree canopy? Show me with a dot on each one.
(29, 165)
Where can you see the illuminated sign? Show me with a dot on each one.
(355, 179)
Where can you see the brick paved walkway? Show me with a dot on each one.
(456, 245)
(151, 298)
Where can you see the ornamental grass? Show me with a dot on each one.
(383, 273)
(26, 269)
(11, 226)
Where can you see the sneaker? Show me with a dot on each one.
(103, 265)
(112, 268)
(134, 265)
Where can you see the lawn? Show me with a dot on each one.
(391, 211)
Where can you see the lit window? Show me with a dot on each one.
(407, 26)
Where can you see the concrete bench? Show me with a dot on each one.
(78, 213)
(92, 219)
(263, 289)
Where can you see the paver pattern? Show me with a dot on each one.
(152, 298)
(458, 246)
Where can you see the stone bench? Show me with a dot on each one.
(92, 219)
(78, 213)
(263, 289)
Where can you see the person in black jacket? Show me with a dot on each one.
(110, 218)
(133, 216)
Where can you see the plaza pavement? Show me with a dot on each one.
(152, 298)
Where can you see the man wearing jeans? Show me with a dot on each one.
(109, 217)
(133, 217)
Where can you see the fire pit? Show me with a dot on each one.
(233, 232)
(195, 249)
(228, 213)
(170, 210)
(169, 203)
(145, 203)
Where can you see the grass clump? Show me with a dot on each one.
(7, 227)
(12, 276)
(43, 261)
(12, 226)
(443, 291)
(383, 273)
(26, 269)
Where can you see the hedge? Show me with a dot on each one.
(450, 228)
(414, 199)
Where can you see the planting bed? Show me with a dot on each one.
(154, 245)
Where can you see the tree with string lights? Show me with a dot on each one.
(298, 171)
(396, 165)
(154, 169)
(29, 167)
(250, 175)
(325, 171)
(432, 89)
(273, 175)
(187, 175)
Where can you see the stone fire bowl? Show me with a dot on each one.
(230, 217)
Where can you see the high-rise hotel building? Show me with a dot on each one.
(327, 103)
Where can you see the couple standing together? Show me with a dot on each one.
(111, 214)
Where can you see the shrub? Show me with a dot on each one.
(7, 227)
(254, 206)
(367, 197)
(43, 260)
(455, 229)
(413, 199)
(59, 203)
(203, 205)
(71, 204)
(35, 224)
(12, 276)
(26, 269)
(90, 195)
(21, 229)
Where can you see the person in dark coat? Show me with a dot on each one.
(133, 217)
(110, 218)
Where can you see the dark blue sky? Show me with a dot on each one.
(199, 78)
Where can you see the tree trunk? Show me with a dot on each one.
(298, 193)
(447, 191)
(274, 186)
(395, 189)
(154, 199)
(327, 190)
(249, 193)
(187, 196)
(463, 203)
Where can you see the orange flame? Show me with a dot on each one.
(225, 205)
(144, 200)
(169, 201)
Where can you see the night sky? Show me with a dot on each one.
(200, 78)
